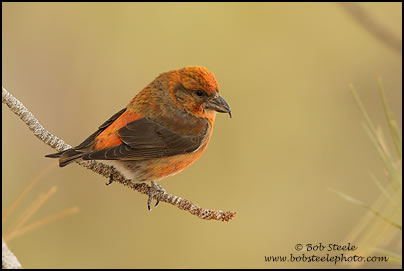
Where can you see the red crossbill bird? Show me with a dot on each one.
(163, 130)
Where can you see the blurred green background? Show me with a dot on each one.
(296, 130)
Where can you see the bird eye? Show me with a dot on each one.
(199, 93)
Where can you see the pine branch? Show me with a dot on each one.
(108, 171)
(369, 23)
(9, 261)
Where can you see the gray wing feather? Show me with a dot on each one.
(146, 139)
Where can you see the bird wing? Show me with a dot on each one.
(88, 143)
(145, 138)
(90, 140)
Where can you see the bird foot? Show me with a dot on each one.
(111, 179)
(158, 189)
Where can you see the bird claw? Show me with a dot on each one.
(158, 188)
(149, 201)
(111, 179)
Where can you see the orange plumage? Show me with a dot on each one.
(109, 137)
(163, 130)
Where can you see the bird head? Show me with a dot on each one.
(196, 90)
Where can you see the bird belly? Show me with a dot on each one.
(168, 166)
(155, 169)
(132, 170)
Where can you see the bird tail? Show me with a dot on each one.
(66, 157)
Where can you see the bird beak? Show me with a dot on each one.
(218, 104)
